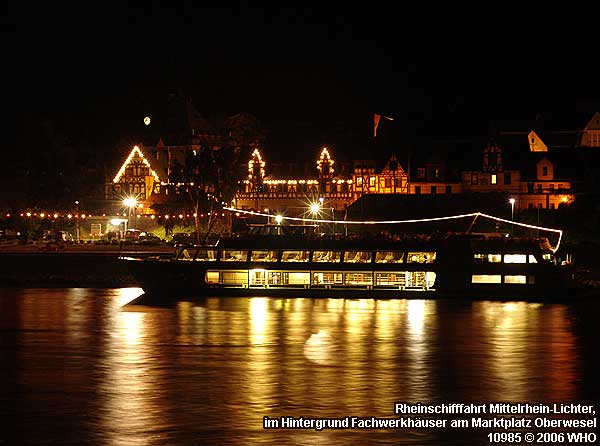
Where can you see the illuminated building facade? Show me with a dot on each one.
(160, 175)
(528, 166)
(294, 196)
(139, 176)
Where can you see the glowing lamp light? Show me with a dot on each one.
(130, 202)
(69, 216)
(315, 207)
(278, 219)
(28, 214)
(42, 215)
(147, 120)
(55, 215)
(564, 199)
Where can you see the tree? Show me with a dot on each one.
(215, 172)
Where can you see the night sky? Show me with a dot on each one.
(99, 69)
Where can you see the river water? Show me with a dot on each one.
(99, 367)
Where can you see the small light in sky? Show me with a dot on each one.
(147, 120)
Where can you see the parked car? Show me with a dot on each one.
(150, 239)
(182, 239)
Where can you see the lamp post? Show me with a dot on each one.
(77, 222)
(333, 218)
(129, 203)
(512, 215)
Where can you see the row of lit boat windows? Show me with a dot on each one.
(227, 255)
(508, 258)
(261, 277)
(497, 278)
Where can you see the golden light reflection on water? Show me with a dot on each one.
(420, 319)
(258, 320)
(213, 366)
(518, 348)
(132, 376)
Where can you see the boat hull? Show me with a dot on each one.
(188, 279)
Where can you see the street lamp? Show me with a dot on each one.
(315, 208)
(77, 232)
(129, 202)
(512, 215)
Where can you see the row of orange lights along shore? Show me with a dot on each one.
(84, 216)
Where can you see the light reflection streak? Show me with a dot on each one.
(420, 316)
(258, 319)
(260, 375)
(131, 385)
(508, 330)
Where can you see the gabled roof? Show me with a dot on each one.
(594, 122)
(155, 170)
(535, 142)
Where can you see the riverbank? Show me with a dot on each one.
(74, 266)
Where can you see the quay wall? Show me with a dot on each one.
(67, 269)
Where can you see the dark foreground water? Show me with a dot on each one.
(82, 366)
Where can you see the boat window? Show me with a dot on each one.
(389, 257)
(302, 278)
(212, 276)
(257, 277)
(326, 256)
(358, 278)
(395, 279)
(234, 278)
(206, 255)
(421, 257)
(294, 256)
(264, 256)
(327, 278)
(532, 259)
(234, 256)
(357, 256)
(486, 278)
(515, 279)
(515, 258)
(277, 278)
(491, 258)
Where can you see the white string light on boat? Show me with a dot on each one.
(393, 222)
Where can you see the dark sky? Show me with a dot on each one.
(104, 66)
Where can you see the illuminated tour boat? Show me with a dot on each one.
(295, 261)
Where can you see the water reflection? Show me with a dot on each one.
(521, 354)
(208, 371)
(132, 372)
